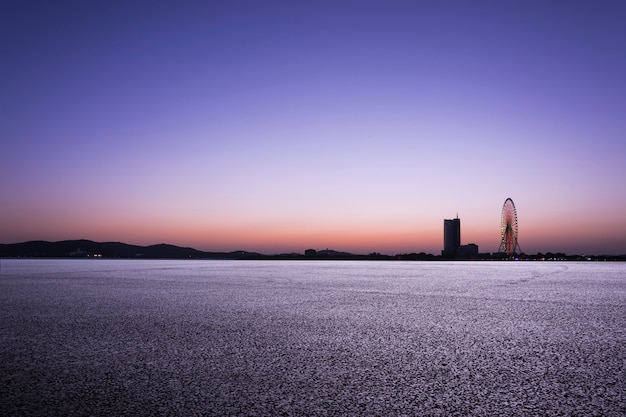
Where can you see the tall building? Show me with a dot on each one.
(451, 236)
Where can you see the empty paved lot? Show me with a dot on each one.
(312, 338)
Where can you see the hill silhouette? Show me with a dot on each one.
(117, 250)
(89, 249)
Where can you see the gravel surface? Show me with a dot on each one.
(248, 338)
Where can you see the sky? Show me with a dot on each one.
(278, 126)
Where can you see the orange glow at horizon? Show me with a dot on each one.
(271, 235)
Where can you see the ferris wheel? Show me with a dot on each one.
(508, 229)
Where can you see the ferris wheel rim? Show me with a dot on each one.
(509, 227)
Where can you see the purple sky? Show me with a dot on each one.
(280, 126)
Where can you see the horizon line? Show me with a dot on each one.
(303, 253)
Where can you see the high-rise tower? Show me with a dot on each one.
(451, 236)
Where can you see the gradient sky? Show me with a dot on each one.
(277, 126)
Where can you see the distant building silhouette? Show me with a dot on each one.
(452, 247)
(451, 236)
(468, 251)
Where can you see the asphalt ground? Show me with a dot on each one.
(146, 338)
